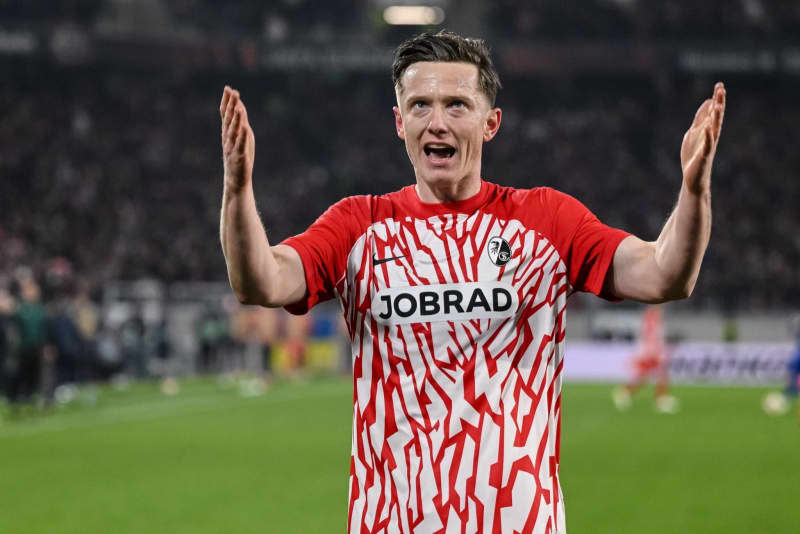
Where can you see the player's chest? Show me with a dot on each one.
(421, 271)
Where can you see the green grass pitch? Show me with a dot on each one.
(210, 461)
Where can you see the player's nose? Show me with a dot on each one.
(438, 122)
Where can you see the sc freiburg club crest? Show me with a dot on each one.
(499, 251)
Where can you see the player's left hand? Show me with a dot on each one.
(700, 142)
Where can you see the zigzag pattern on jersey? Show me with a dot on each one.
(456, 425)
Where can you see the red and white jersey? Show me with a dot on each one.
(651, 340)
(456, 315)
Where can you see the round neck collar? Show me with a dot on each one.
(429, 209)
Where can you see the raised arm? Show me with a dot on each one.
(667, 269)
(258, 273)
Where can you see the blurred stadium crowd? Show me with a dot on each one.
(111, 169)
(508, 19)
(119, 172)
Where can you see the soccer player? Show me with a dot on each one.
(793, 381)
(650, 360)
(454, 290)
(778, 403)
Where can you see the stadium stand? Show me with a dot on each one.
(114, 165)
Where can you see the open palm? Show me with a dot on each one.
(700, 142)
(238, 141)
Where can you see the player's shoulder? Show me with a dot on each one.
(545, 195)
(368, 203)
(547, 210)
(540, 198)
(363, 210)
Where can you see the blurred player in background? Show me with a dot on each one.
(454, 290)
(652, 361)
(794, 364)
(298, 328)
(777, 403)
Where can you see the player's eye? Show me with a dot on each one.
(419, 104)
(457, 104)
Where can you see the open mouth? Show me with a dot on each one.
(439, 152)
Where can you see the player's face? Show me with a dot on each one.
(444, 119)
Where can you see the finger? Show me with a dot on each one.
(226, 93)
(716, 121)
(702, 112)
(234, 99)
(241, 138)
(244, 114)
(708, 141)
(233, 130)
(719, 108)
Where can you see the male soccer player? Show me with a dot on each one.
(778, 403)
(793, 381)
(454, 291)
(650, 360)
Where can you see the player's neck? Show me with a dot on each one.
(448, 192)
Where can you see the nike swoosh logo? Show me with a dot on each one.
(376, 261)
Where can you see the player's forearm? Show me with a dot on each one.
(248, 255)
(683, 242)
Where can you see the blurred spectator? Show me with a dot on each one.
(69, 345)
(7, 337)
(30, 323)
(110, 358)
(212, 331)
(134, 351)
(85, 313)
(254, 328)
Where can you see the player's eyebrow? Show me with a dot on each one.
(410, 98)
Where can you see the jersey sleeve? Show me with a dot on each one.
(586, 244)
(323, 249)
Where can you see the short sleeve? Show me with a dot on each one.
(323, 249)
(586, 244)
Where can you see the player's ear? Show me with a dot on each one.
(491, 124)
(398, 123)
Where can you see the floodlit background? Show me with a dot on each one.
(141, 397)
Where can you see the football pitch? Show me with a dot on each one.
(211, 461)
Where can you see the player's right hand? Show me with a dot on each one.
(238, 141)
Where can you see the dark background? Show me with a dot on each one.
(110, 163)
